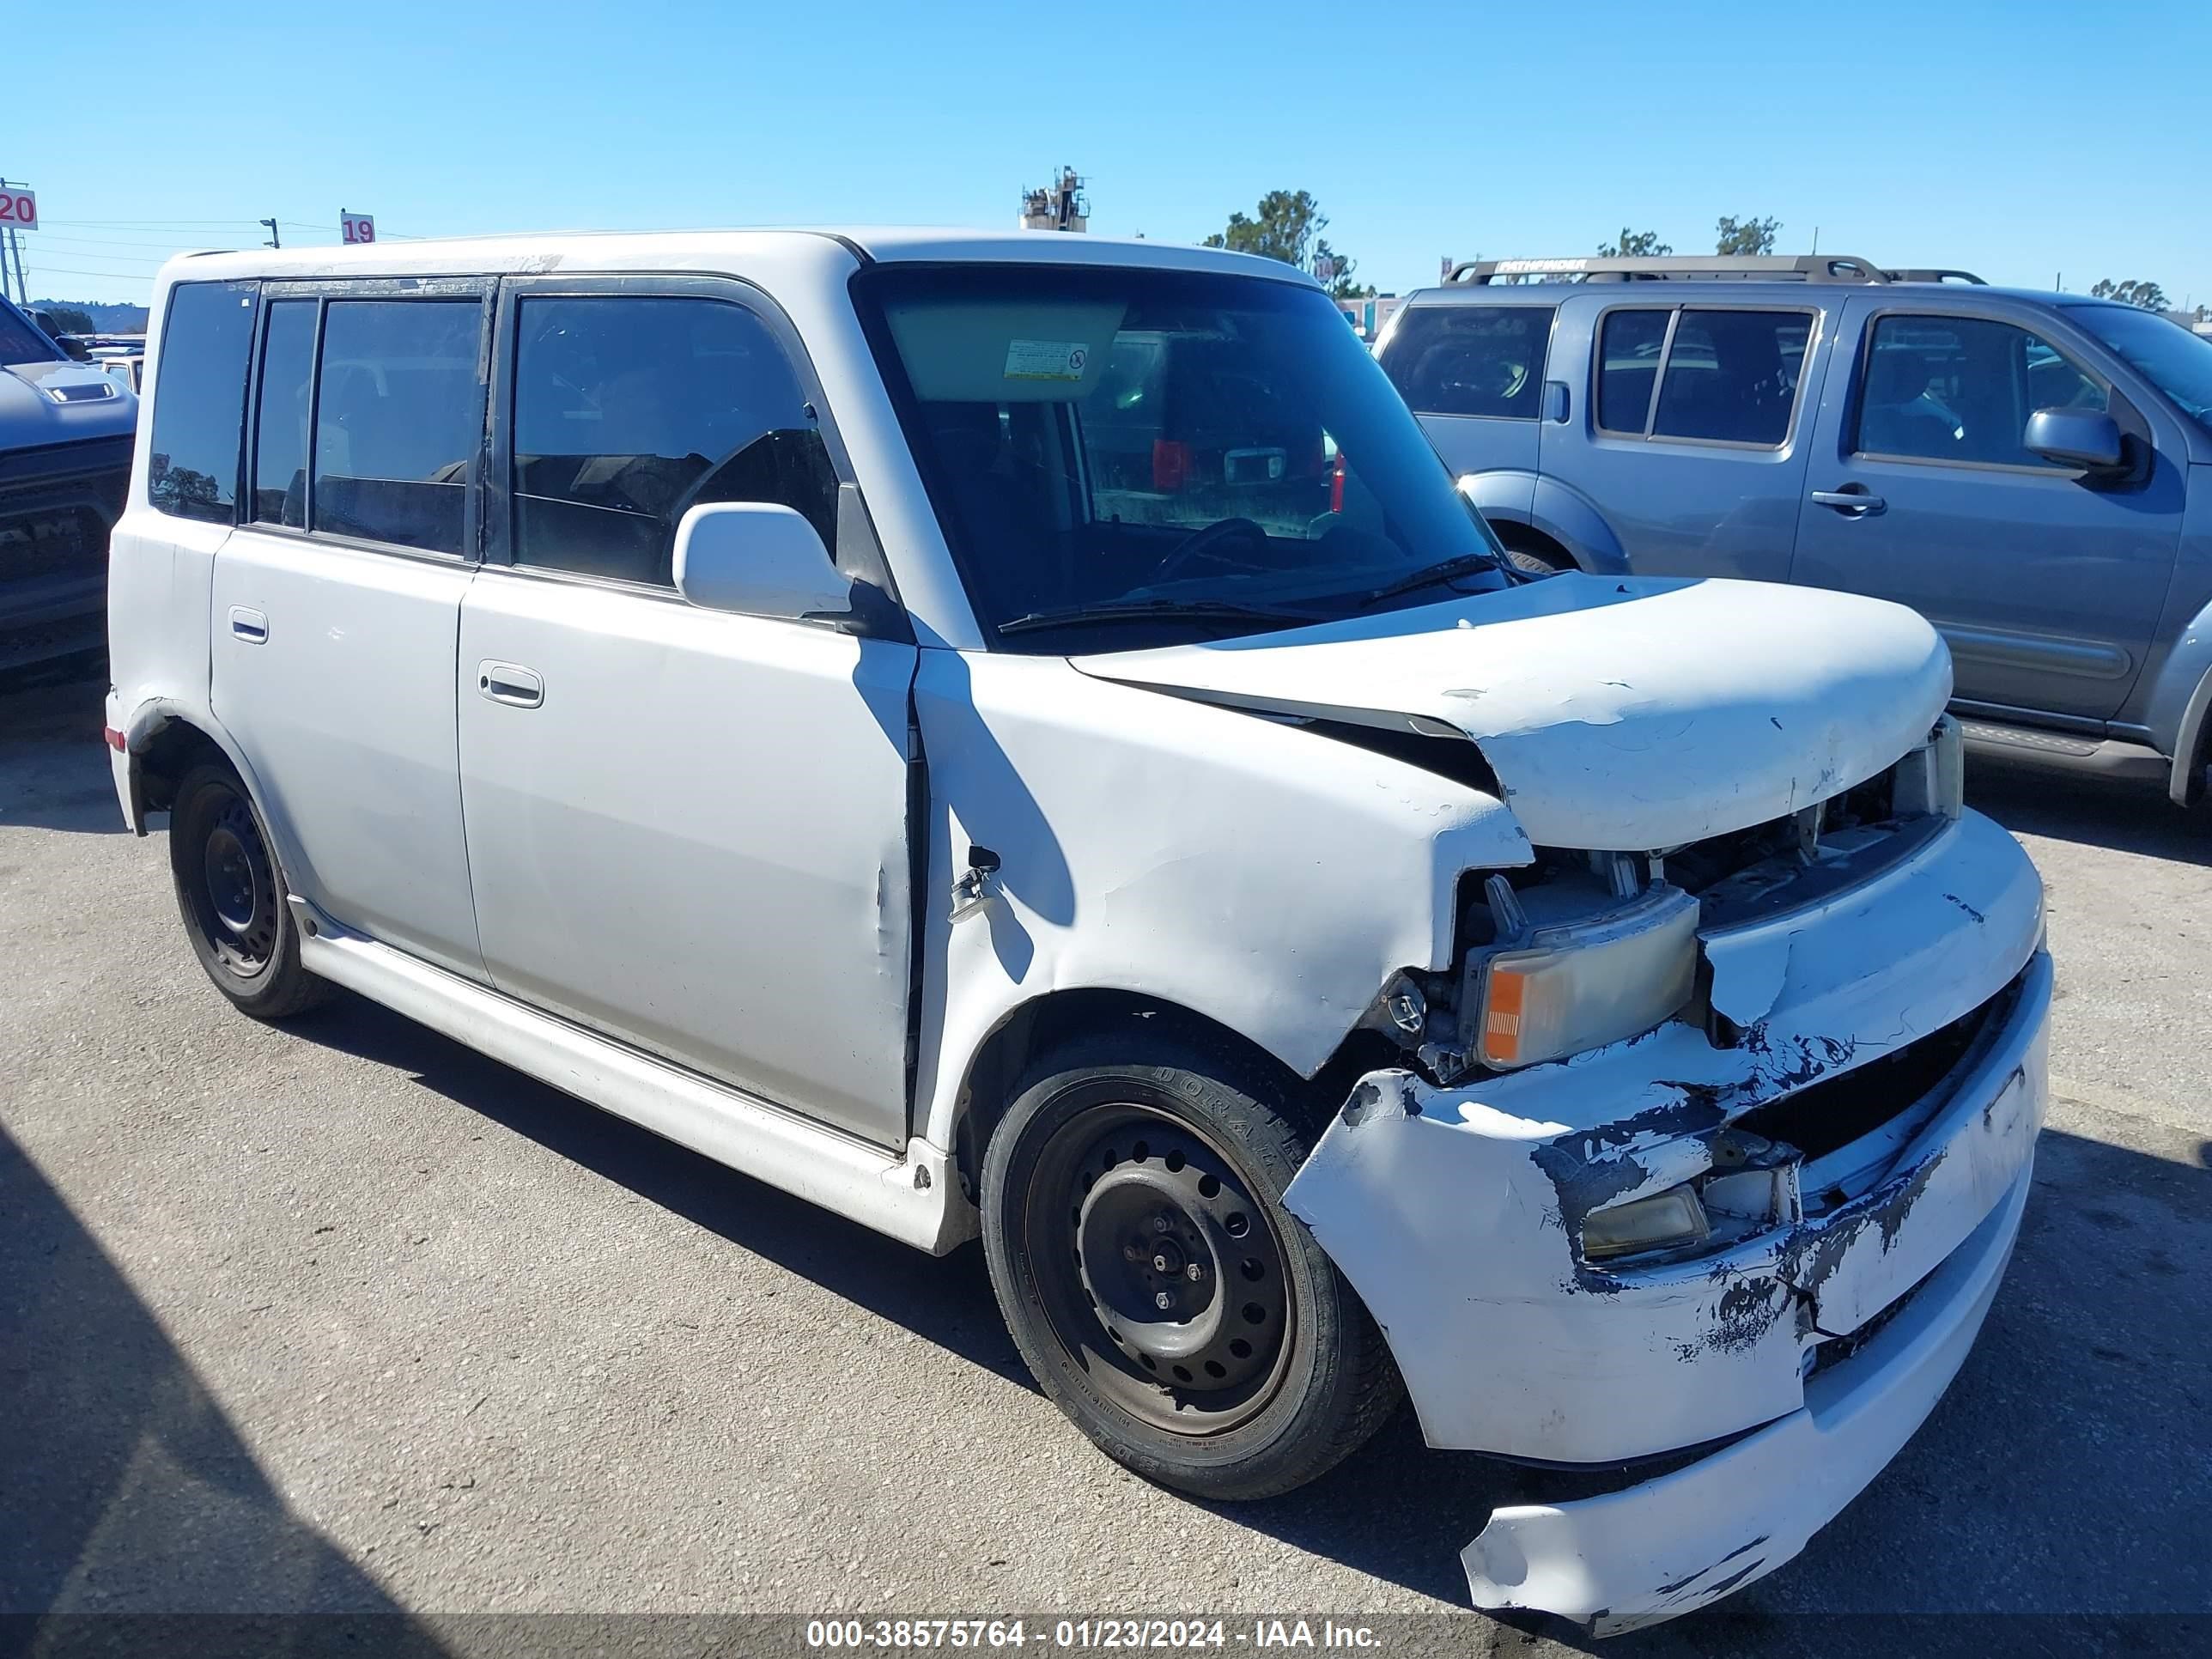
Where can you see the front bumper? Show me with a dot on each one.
(1457, 1214)
(1665, 1546)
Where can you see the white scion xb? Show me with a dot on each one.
(1020, 735)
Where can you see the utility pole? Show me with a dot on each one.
(13, 253)
(275, 240)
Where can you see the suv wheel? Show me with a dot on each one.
(232, 897)
(1161, 1294)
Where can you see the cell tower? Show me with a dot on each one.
(1061, 206)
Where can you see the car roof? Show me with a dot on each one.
(831, 246)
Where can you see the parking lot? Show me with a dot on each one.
(346, 1318)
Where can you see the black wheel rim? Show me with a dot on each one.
(1163, 1277)
(235, 894)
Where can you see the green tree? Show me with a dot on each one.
(1634, 244)
(1746, 236)
(70, 320)
(2150, 295)
(1288, 226)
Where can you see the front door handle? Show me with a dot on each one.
(249, 625)
(510, 684)
(1854, 499)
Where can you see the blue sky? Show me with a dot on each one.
(2020, 140)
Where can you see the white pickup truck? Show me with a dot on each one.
(817, 695)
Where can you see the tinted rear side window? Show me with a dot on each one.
(398, 419)
(1732, 376)
(1628, 367)
(630, 410)
(199, 401)
(1471, 360)
(280, 448)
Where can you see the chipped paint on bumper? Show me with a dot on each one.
(1681, 1541)
(1457, 1215)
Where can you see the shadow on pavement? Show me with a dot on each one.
(126, 1496)
(948, 1302)
(2126, 814)
(54, 765)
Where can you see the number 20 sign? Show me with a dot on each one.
(19, 208)
(355, 228)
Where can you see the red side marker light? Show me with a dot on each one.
(116, 740)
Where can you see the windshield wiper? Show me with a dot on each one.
(1467, 564)
(1150, 610)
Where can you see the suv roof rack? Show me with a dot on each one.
(1746, 267)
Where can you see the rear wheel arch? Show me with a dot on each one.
(1529, 543)
(164, 748)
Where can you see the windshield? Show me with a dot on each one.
(1149, 456)
(2175, 361)
(21, 340)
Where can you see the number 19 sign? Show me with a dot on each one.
(355, 228)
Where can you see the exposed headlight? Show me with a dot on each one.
(1659, 1222)
(1579, 986)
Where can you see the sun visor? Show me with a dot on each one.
(991, 351)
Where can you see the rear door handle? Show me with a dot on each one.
(510, 684)
(249, 625)
(1854, 499)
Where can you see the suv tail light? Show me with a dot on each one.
(1171, 464)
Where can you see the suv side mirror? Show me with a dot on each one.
(2087, 438)
(757, 560)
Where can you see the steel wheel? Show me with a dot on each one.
(1159, 1268)
(237, 893)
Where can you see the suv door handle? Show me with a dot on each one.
(1854, 499)
(510, 684)
(249, 625)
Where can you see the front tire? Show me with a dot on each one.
(1160, 1292)
(234, 898)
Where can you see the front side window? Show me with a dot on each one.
(2176, 361)
(1165, 454)
(630, 410)
(398, 415)
(1961, 389)
(199, 401)
(1471, 360)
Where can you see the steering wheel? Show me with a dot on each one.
(1201, 542)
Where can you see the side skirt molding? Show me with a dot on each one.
(915, 1197)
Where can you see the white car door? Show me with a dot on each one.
(336, 601)
(686, 828)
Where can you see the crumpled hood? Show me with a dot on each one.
(1618, 713)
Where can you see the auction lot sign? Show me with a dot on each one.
(19, 208)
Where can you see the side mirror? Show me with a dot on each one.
(2087, 438)
(758, 560)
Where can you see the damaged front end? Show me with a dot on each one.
(1754, 1239)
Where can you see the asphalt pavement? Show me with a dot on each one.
(343, 1318)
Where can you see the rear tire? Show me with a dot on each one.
(233, 897)
(1538, 557)
(1161, 1294)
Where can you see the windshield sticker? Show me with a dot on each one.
(1046, 359)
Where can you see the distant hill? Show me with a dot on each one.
(106, 319)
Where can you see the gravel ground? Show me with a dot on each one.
(344, 1317)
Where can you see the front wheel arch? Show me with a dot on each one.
(1058, 1017)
